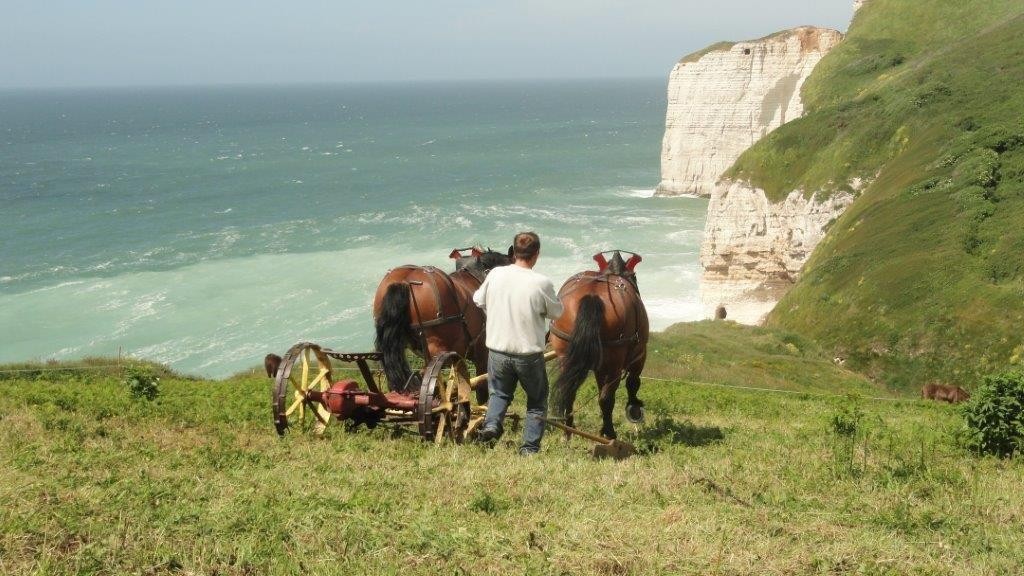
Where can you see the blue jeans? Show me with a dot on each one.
(503, 372)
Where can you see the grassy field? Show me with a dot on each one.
(923, 277)
(730, 354)
(729, 482)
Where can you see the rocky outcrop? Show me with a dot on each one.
(754, 249)
(725, 98)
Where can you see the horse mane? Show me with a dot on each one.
(491, 259)
(480, 264)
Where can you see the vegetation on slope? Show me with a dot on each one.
(730, 482)
(923, 277)
(730, 354)
(886, 83)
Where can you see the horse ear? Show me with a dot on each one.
(455, 255)
(510, 251)
(602, 262)
(476, 251)
(633, 261)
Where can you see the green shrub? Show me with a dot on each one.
(142, 383)
(1000, 138)
(978, 168)
(846, 422)
(486, 503)
(994, 417)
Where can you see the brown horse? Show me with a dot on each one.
(944, 393)
(605, 329)
(429, 311)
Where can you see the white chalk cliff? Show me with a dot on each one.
(721, 101)
(727, 97)
(754, 250)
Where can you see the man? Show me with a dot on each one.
(517, 301)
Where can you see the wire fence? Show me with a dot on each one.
(779, 391)
(122, 360)
(120, 364)
(62, 368)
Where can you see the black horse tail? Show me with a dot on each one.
(393, 334)
(584, 353)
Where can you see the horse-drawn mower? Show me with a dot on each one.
(305, 394)
(431, 313)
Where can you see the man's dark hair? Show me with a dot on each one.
(526, 245)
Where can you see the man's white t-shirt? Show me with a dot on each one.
(517, 301)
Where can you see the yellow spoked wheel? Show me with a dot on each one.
(443, 410)
(305, 367)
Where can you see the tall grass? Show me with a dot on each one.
(728, 482)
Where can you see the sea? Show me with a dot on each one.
(203, 227)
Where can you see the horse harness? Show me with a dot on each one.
(621, 286)
(441, 319)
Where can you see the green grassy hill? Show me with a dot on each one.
(730, 481)
(729, 354)
(923, 277)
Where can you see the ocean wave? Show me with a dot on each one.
(636, 193)
(636, 221)
(664, 312)
(686, 236)
(56, 286)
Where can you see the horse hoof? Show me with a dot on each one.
(635, 413)
(609, 434)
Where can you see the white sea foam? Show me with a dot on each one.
(686, 236)
(664, 312)
(640, 193)
(56, 286)
(636, 221)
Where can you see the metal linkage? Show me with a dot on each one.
(353, 356)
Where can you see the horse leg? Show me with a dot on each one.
(570, 403)
(606, 400)
(634, 406)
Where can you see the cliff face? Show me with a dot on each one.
(725, 98)
(754, 249)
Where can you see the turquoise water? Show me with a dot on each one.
(204, 227)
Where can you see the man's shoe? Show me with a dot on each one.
(527, 452)
(486, 436)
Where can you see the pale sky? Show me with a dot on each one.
(49, 43)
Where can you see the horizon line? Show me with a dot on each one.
(257, 84)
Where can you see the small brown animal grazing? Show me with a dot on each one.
(271, 362)
(945, 393)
